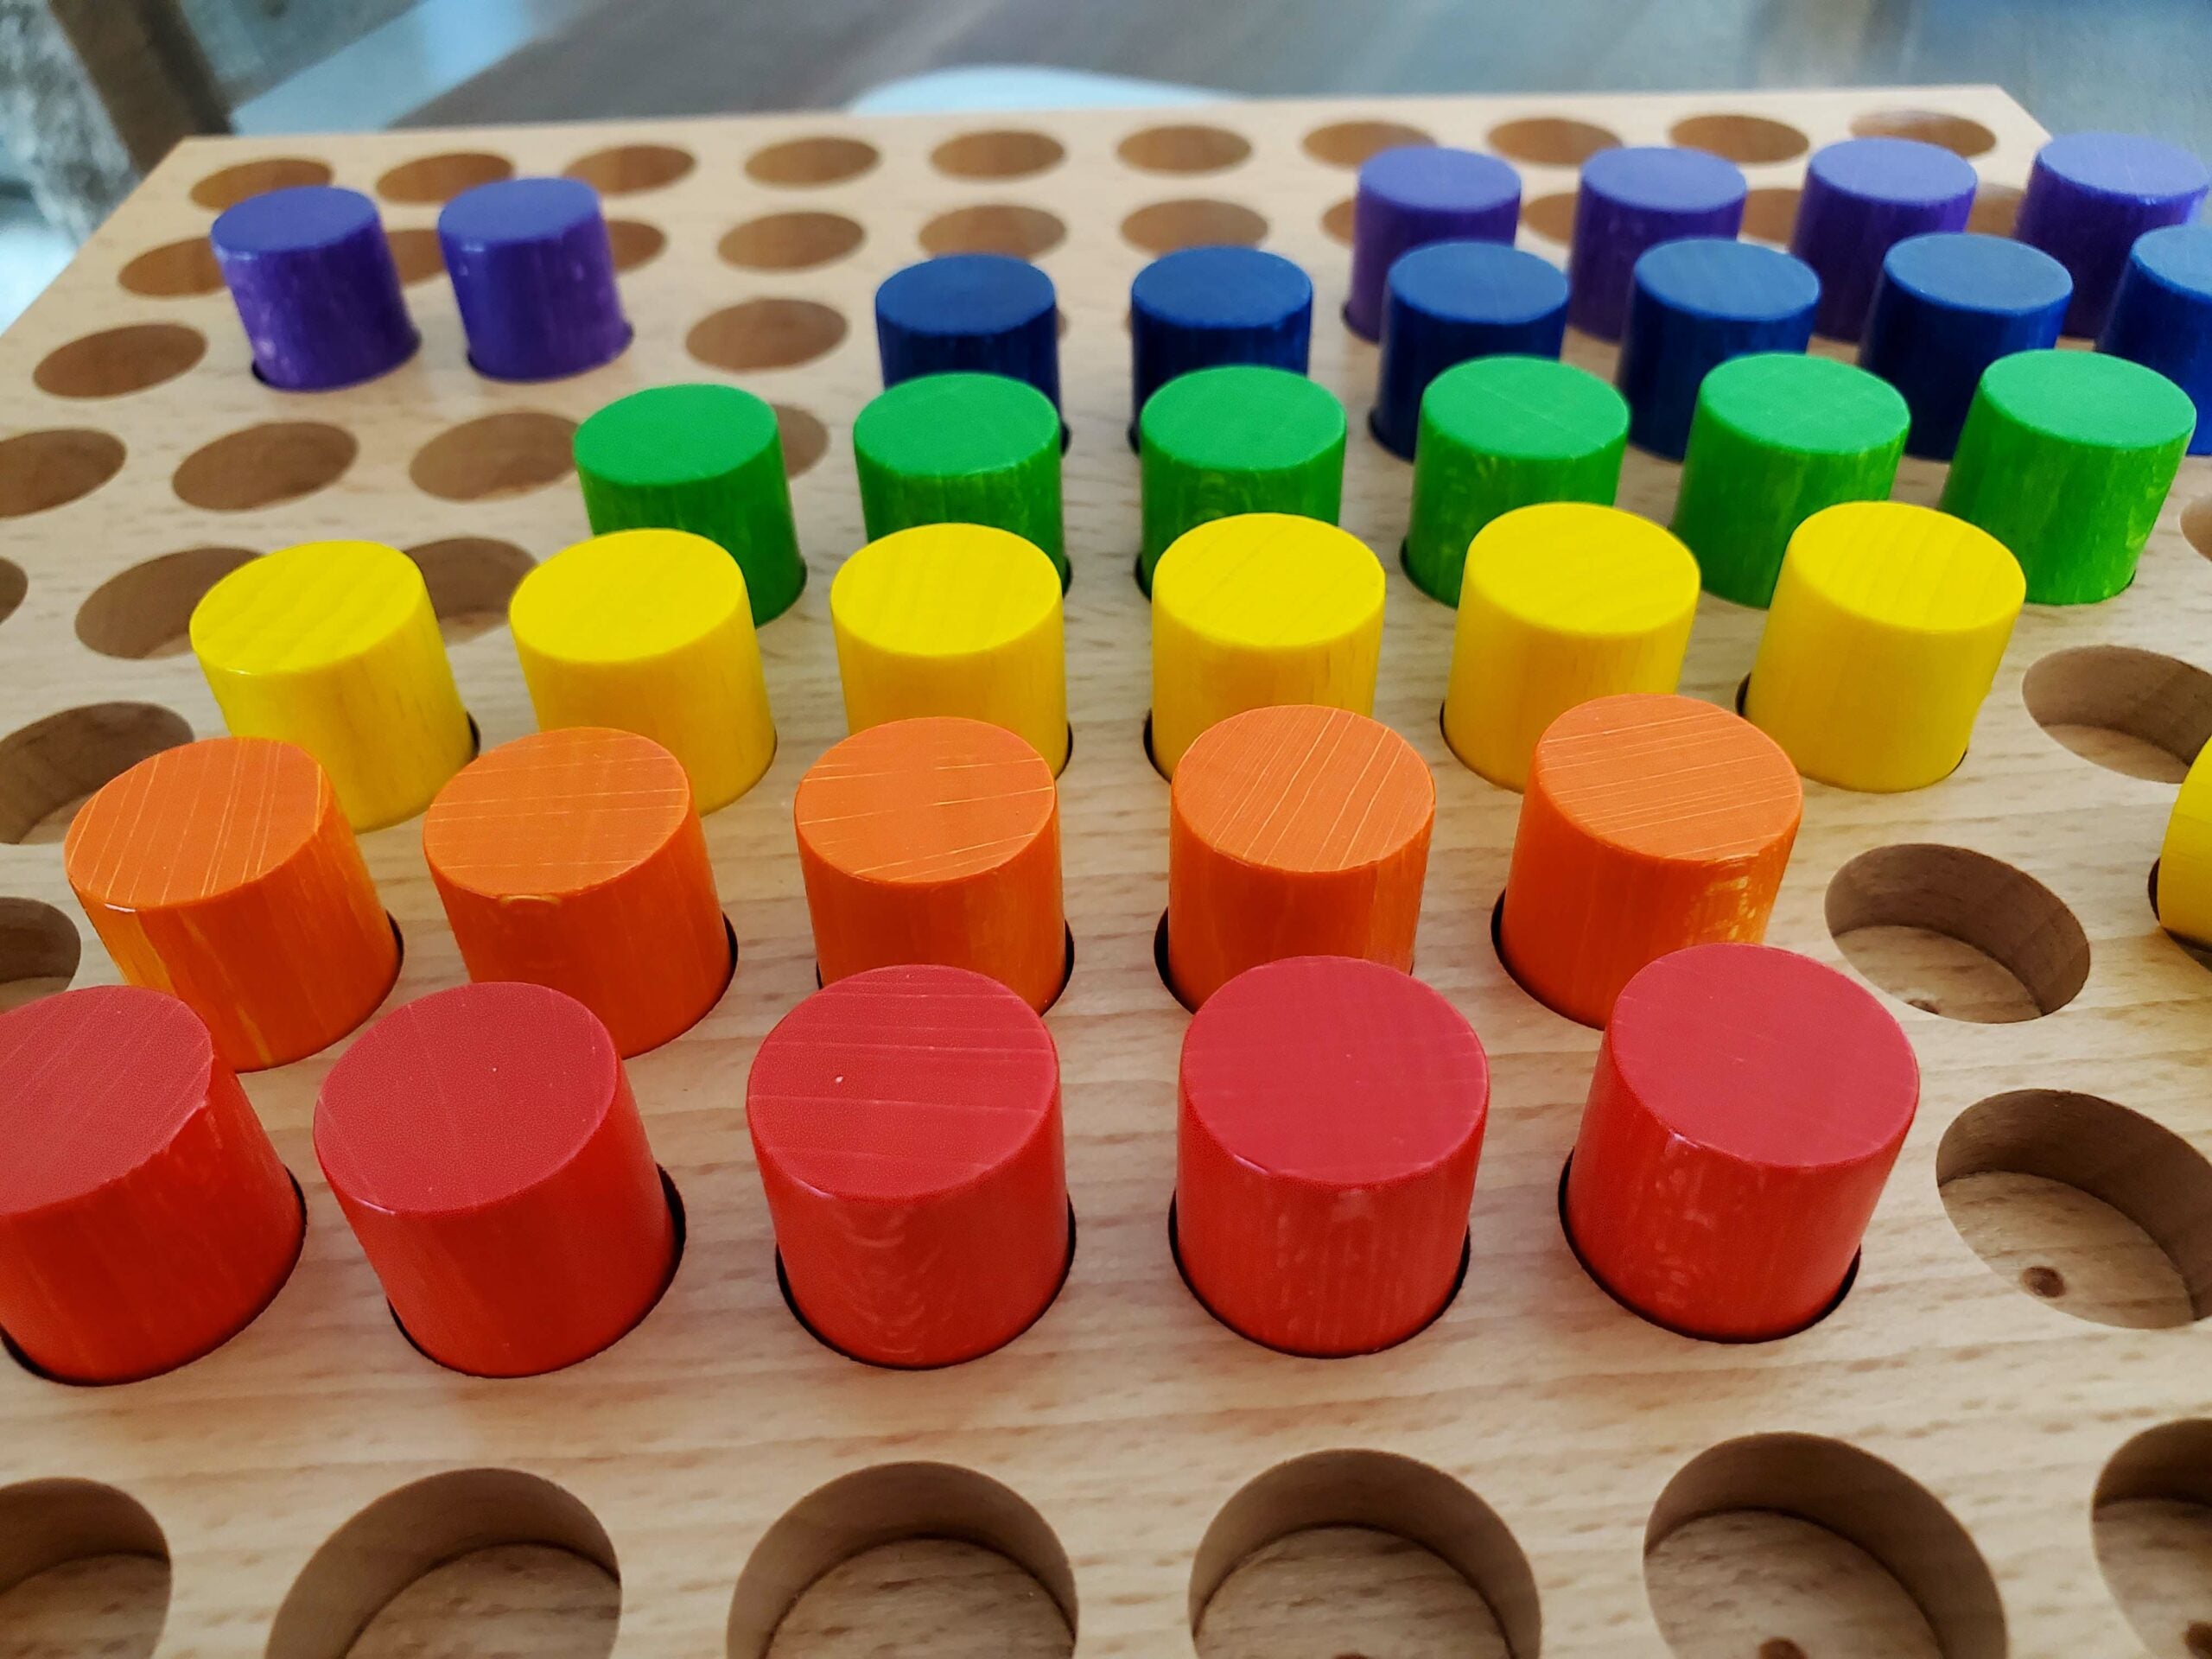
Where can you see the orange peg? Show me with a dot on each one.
(225, 873)
(1295, 831)
(1651, 822)
(574, 858)
(935, 840)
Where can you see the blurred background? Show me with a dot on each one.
(94, 92)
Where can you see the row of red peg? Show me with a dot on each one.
(1745, 1111)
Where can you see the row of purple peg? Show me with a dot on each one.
(313, 276)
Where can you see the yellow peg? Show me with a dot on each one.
(1885, 631)
(954, 620)
(650, 630)
(2184, 881)
(1561, 602)
(1257, 610)
(333, 646)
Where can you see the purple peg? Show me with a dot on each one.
(1414, 194)
(313, 279)
(1632, 200)
(535, 278)
(2090, 196)
(1862, 197)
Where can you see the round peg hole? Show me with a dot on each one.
(14, 586)
(116, 361)
(799, 241)
(994, 227)
(634, 243)
(2128, 711)
(1003, 153)
(628, 169)
(1771, 214)
(496, 455)
(233, 185)
(1164, 227)
(1996, 209)
(147, 610)
(1006, 1589)
(1782, 1543)
(417, 253)
(86, 1571)
(264, 466)
(2152, 1522)
(2084, 1204)
(765, 333)
(431, 179)
(1552, 216)
(40, 471)
(1954, 932)
(1551, 140)
(471, 578)
(1749, 139)
(49, 767)
(175, 271)
(2196, 525)
(1336, 221)
(1185, 148)
(1375, 1553)
(39, 950)
(806, 440)
(1348, 143)
(1959, 134)
(803, 163)
(441, 1565)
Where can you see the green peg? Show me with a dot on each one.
(702, 458)
(1237, 439)
(963, 449)
(2066, 458)
(1777, 436)
(1498, 433)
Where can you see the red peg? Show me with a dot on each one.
(144, 1217)
(1331, 1114)
(1747, 1105)
(907, 1121)
(484, 1145)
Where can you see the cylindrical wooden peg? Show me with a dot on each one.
(573, 858)
(1861, 197)
(1295, 831)
(971, 313)
(1695, 304)
(1630, 200)
(935, 840)
(1259, 608)
(1884, 634)
(1202, 308)
(1330, 1119)
(312, 277)
(144, 1217)
(1746, 1108)
(2162, 315)
(2182, 887)
(1561, 602)
(334, 646)
(2090, 196)
(1411, 195)
(484, 1145)
(1650, 823)
(1452, 302)
(650, 631)
(954, 620)
(224, 872)
(534, 274)
(907, 1122)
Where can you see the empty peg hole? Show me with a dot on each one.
(1798, 1540)
(146, 611)
(2128, 711)
(806, 161)
(233, 185)
(1164, 226)
(2196, 525)
(40, 471)
(1996, 209)
(410, 1574)
(1771, 214)
(116, 361)
(264, 466)
(806, 440)
(626, 169)
(417, 253)
(2083, 1203)
(175, 270)
(83, 1570)
(797, 241)
(1349, 144)
(1186, 147)
(49, 767)
(1337, 221)
(765, 333)
(1962, 135)
(994, 227)
(495, 456)
(1752, 140)
(1551, 216)
(471, 578)
(431, 179)
(634, 243)
(928, 1559)
(1957, 933)
(39, 951)
(1001, 153)
(2152, 1523)
(1551, 140)
(1368, 1553)
(14, 587)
